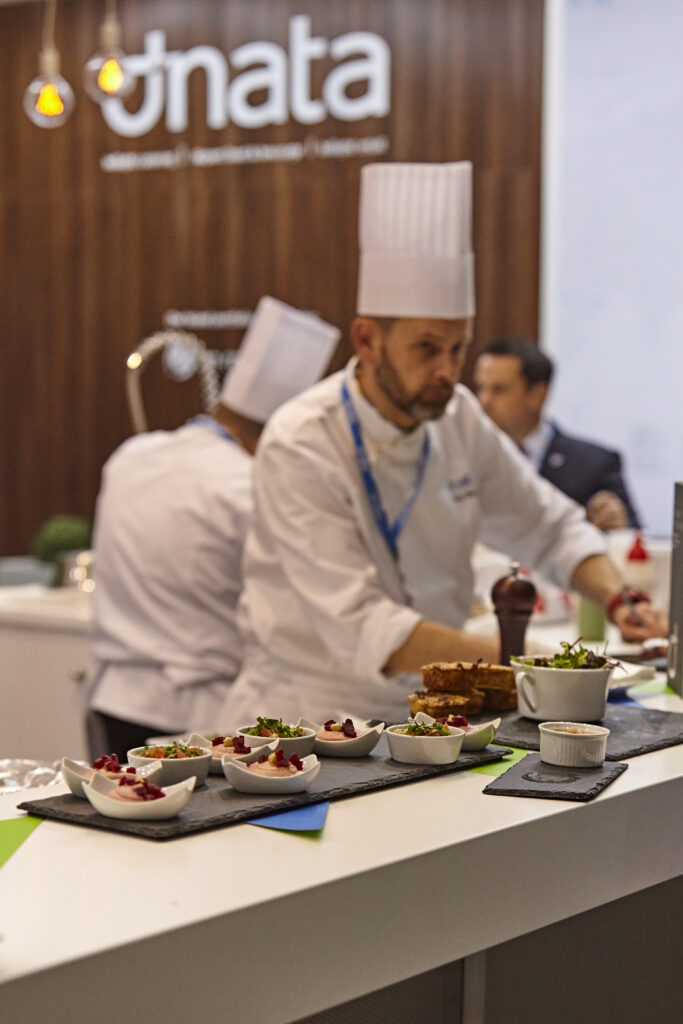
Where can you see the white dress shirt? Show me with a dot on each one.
(536, 444)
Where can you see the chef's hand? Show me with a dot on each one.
(607, 511)
(653, 622)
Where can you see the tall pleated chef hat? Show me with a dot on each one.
(416, 256)
(283, 352)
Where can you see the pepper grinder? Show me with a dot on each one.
(513, 597)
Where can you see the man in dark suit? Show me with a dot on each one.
(512, 378)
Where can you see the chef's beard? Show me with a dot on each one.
(419, 407)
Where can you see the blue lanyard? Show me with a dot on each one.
(390, 531)
(215, 426)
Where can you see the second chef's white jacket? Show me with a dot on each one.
(325, 603)
(170, 525)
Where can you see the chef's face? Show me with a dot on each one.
(505, 396)
(419, 362)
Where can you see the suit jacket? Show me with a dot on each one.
(581, 469)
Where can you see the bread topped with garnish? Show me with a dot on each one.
(465, 676)
(441, 705)
(466, 688)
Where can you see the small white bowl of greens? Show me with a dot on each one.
(297, 738)
(424, 743)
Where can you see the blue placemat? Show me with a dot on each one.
(301, 819)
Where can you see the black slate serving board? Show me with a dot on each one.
(633, 731)
(216, 804)
(532, 777)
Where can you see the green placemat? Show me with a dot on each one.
(13, 833)
(654, 688)
(500, 767)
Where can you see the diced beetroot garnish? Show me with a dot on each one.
(238, 743)
(458, 721)
(348, 729)
(442, 721)
(297, 762)
(147, 790)
(329, 724)
(279, 755)
(217, 741)
(108, 761)
(128, 780)
(262, 758)
(130, 770)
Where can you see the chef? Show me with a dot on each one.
(371, 488)
(170, 523)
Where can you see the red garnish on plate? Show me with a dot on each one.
(348, 729)
(110, 762)
(217, 741)
(130, 770)
(141, 787)
(238, 743)
(329, 724)
(279, 756)
(458, 721)
(262, 758)
(297, 762)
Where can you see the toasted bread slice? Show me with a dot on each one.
(440, 705)
(500, 700)
(464, 676)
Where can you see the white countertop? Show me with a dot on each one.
(491, 869)
(34, 606)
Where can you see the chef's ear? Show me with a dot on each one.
(366, 337)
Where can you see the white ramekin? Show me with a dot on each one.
(570, 749)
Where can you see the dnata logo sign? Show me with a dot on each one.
(264, 68)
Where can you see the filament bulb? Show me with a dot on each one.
(48, 101)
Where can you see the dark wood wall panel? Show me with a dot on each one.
(92, 261)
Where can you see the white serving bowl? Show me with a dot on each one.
(75, 773)
(424, 749)
(301, 745)
(577, 694)
(476, 736)
(358, 746)
(585, 749)
(215, 765)
(176, 770)
(240, 778)
(175, 797)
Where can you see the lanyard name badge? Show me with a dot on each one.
(390, 531)
(208, 421)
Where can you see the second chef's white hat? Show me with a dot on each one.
(283, 352)
(416, 256)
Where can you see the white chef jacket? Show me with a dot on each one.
(325, 603)
(170, 524)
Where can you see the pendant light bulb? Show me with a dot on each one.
(105, 74)
(49, 99)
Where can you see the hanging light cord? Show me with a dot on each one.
(49, 24)
(48, 59)
(110, 30)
